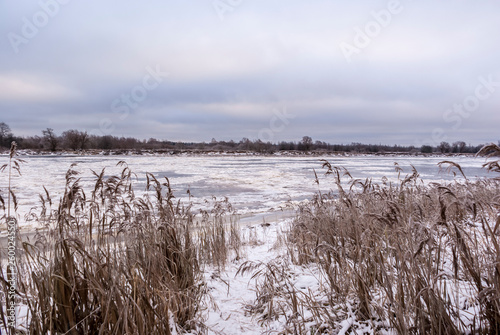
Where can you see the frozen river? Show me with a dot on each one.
(253, 184)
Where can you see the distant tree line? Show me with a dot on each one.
(76, 140)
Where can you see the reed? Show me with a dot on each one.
(425, 258)
(403, 256)
(113, 263)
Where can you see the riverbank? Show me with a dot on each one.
(198, 152)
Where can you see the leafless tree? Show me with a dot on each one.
(5, 134)
(50, 138)
(444, 147)
(75, 139)
(307, 143)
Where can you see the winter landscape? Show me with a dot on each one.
(245, 244)
(223, 167)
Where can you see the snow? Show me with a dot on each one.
(233, 292)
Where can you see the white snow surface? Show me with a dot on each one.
(232, 293)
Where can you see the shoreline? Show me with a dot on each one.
(229, 153)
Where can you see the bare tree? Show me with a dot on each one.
(5, 134)
(84, 139)
(50, 138)
(426, 149)
(307, 143)
(444, 147)
(75, 139)
(244, 144)
(458, 146)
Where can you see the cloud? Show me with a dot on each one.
(226, 77)
(26, 88)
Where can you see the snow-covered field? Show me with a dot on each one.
(253, 184)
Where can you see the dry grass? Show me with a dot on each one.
(278, 298)
(113, 263)
(14, 166)
(406, 252)
(109, 262)
(218, 234)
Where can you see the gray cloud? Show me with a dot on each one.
(227, 76)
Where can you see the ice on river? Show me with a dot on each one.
(253, 184)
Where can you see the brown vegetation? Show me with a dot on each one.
(406, 252)
(108, 262)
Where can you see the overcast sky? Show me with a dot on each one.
(394, 72)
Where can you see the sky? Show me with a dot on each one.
(390, 72)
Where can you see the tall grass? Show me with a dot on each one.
(111, 262)
(425, 258)
(215, 238)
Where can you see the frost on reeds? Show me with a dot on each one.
(111, 262)
(425, 258)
